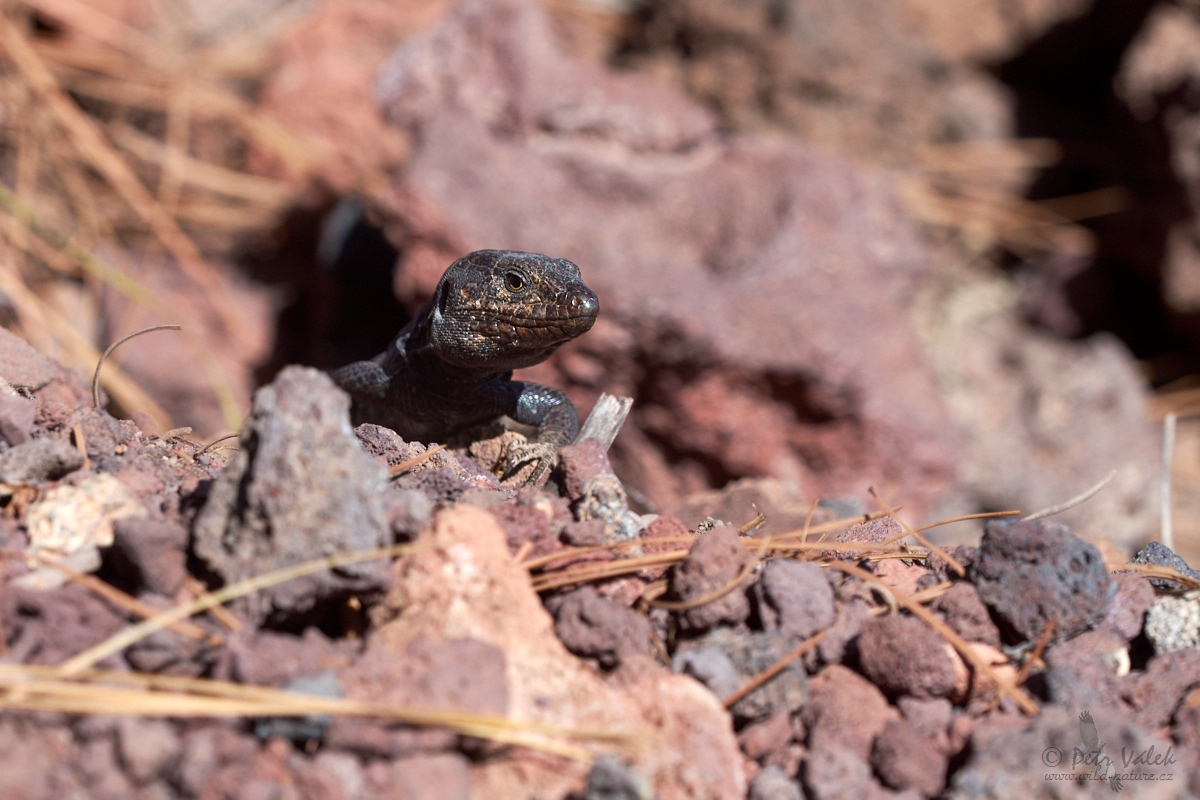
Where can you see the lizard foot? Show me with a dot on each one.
(544, 453)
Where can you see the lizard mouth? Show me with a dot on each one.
(534, 330)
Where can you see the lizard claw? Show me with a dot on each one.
(544, 453)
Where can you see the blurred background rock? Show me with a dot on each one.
(949, 250)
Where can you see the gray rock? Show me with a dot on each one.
(16, 418)
(795, 598)
(1015, 762)
(39, 460)
(1031, 572)
(747, 654)
(613, 779)
(772, 783)
(299, 488)
(1159, 554)
(1173, 623)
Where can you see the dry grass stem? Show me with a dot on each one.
(77, 350)
(523, 551)
(568, 553)
(606, 569)
(109, 351)
(717, 594)
(116, 383)
(1166, 535)
(96, 151)
(216, 441)
(1156, 571)
(964, 517)
(1036, 656)
(81, 444)
(1074, 501)
(759, 520)
(122, 600)
(122, 639)
(34, 688)
(908, 531)
(219, 613)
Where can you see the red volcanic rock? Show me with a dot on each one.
(845, 712)
(902, 655)
(965, 613)
(905, 759)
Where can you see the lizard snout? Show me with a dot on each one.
(584, 302)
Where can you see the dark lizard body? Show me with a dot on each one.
(450, 369)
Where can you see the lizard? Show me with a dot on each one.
(450, 369)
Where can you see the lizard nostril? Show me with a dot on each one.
(585, 302)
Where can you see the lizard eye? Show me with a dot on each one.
(515, 281)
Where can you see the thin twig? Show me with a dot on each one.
(81, 444)
(40, 688)
(956, 641)
(964, 517)
(1074, 501)
(1157, 571)
(1038, 649)
(696, 602)
(114, 346)
(812, 508)
(523, 551)
(1166, 534)
(396, 469)
(218, 440)
(31, 308)
(909, 531)
(759, 520)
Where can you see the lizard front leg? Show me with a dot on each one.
(557, 422)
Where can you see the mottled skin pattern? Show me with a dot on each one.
(450, 369)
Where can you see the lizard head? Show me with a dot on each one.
(504, 309)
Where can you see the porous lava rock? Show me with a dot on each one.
(155, 550)
(1130, 603)
(596, 627)
(845, 712)
(1000, 767)
(1030, 573)
(1158, 554)
(299, 488)
(1084, 672)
